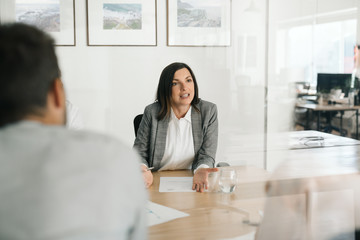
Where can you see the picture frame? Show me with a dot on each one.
(56, 17)
(199, 23)
(121, 22)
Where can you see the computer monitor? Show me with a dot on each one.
(328, 81)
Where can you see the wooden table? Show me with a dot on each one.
(213, 215)
(330, 108)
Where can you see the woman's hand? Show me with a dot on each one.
(200, 180)
(147, 176)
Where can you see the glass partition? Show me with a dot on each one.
(274, 45)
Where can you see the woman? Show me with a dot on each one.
(179, 130)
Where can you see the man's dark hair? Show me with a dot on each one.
(163, 94)
(28, 68)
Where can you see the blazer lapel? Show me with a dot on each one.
(196, 129)
(160, 142)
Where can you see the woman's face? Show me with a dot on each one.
(182, 92)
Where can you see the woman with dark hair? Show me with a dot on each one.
(178, 130)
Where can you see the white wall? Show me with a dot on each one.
(111, 85)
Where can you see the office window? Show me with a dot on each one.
(333, 47)
(316, 48)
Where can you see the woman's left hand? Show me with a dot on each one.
(200, 180)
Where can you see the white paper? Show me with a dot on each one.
(307, 139)
(159, 214)
(176, 184)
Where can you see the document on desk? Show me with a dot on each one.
(313, 139)
(159, 214)
(176, 184)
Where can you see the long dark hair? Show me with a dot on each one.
(163, 94)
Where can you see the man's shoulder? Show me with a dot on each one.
(66, 150)
(85, 137)
(70, 140)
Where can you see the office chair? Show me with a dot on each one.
(222, 164)
(328, 127)
(137, 121)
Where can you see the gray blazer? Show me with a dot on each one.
(151, 137)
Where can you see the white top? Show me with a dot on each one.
(179, 148)
(63, 184)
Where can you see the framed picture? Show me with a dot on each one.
(56, 17)
(121, 22)
(199, 23)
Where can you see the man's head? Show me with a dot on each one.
(30, 86)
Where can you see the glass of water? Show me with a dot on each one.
(227, 180)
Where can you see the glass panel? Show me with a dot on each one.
(254, 81)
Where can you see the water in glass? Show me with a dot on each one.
(227, 180)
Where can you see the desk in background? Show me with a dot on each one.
(329, 108)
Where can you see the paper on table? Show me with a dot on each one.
(176, 184)
(159, 214)
(311, 139)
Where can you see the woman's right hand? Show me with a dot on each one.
(147, 176)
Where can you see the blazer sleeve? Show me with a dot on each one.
(207, 151)
(142, 141)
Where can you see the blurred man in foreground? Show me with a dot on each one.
(57, 183)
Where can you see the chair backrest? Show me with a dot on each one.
(137, 121)
(222, 164)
